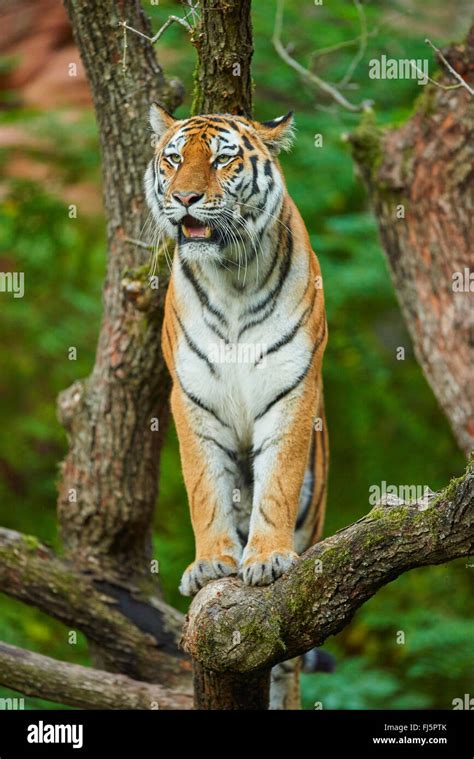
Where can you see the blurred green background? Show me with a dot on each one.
(384, 422)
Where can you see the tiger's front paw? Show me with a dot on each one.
(263, 569)
(202, 571)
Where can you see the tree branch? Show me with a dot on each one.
(82, 687)
(461, 82)
(139, 634)
(233, 628)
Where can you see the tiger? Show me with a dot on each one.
(244, 333)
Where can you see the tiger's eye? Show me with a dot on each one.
(174, 157)
(221, 159)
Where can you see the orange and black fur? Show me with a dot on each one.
(243, 337)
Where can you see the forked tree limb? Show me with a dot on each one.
(233, 628)
(139, 634)
(40, 676)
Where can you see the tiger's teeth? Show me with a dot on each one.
(188, 233)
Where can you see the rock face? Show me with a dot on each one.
(43, 64)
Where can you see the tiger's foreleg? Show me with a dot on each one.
(209, 470)
(282, 438)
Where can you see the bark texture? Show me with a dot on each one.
(230, 691)
(223, 40)
(82, 687)
(420, 179)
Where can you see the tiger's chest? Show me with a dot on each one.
(235, 352)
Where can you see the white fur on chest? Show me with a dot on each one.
(247, 371)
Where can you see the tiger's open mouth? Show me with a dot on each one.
(193, 229)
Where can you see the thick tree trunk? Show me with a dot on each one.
(109, 478)
(420, 178)
(108, 487)
(230, 691)
(223, 40)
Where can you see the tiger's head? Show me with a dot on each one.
(214, 183)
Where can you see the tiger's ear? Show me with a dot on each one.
(277, 134)
(160, 119)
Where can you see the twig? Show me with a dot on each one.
(139, 243)
(309, 76)
(170, 20)
(125, 46)
(348, 43)
(334, 48)
(433, 81)
(362, 45)
(462, 82)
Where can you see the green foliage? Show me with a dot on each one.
(62, 260)
(356, 685)
(384, 423)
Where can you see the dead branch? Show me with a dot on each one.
(82, 687)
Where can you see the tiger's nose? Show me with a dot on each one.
(187, 198)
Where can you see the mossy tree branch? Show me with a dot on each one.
(82, 687)
(232, 628)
